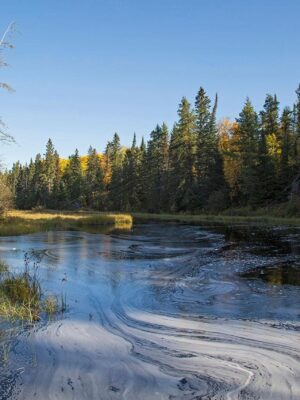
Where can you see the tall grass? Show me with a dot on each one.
(20, 293)
(21, 296)
(18, 222)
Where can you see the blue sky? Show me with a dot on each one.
(83, 69)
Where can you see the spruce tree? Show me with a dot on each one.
(142, 177)
(286, 171)
(297, 129)
(182, 160)
(94, 184)
(47, 175)
(210, 176)
(157, 161)
(209, 167)
(248, 148)
(267, 155)
(73, 180)
(38, 181)
(114, 157)
(130, 181)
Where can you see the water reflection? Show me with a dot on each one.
(280, 274)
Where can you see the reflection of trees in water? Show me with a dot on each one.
(266, 238)
(114, 270)
(115, 276)
(281, 274)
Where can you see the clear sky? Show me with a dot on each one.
(83, 69)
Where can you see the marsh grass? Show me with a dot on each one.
(220, 218)
(3, 268)
(21, 296)
(17, 222)
(50, 305)
(20, 293)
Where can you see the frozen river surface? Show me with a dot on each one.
(160, 312)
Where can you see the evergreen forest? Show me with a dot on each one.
(198, 165)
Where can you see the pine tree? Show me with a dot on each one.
(142, 180)
(267, 155)
(115, 157)
(182, 160)
(37, 181)
(73, 180)
(94, 184)
(47, 175)
(157, 160)
(24, 194)
(204, 139)
(248, 148)
(286, 171)
(130, 181)
(297, 129)
(206, 150)
(269, 116)
(210, 176)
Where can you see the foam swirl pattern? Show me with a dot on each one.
(160, 313)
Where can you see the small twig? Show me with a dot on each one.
(8, 29)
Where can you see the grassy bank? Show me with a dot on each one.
(21, 296)
(226, 219)
(19, 222)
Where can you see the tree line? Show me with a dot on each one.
(198, 165)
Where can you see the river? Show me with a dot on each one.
(164, 311)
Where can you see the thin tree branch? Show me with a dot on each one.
(8, 29)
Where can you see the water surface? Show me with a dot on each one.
(160, 312)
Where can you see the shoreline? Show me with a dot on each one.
(19, 222)
(218, 218)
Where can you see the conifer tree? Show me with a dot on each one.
(142, 174)
(297, 129)
(182, 160)
(130, 181)
(48, 174)
(12, 176)
(114, 156)
(157, 160)
(94, 184)
(37, 183)
(207, 147)
(268, 145)
(248, 148)
(286, 171)
(270, 129)
(210, 176)
(73, 180)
